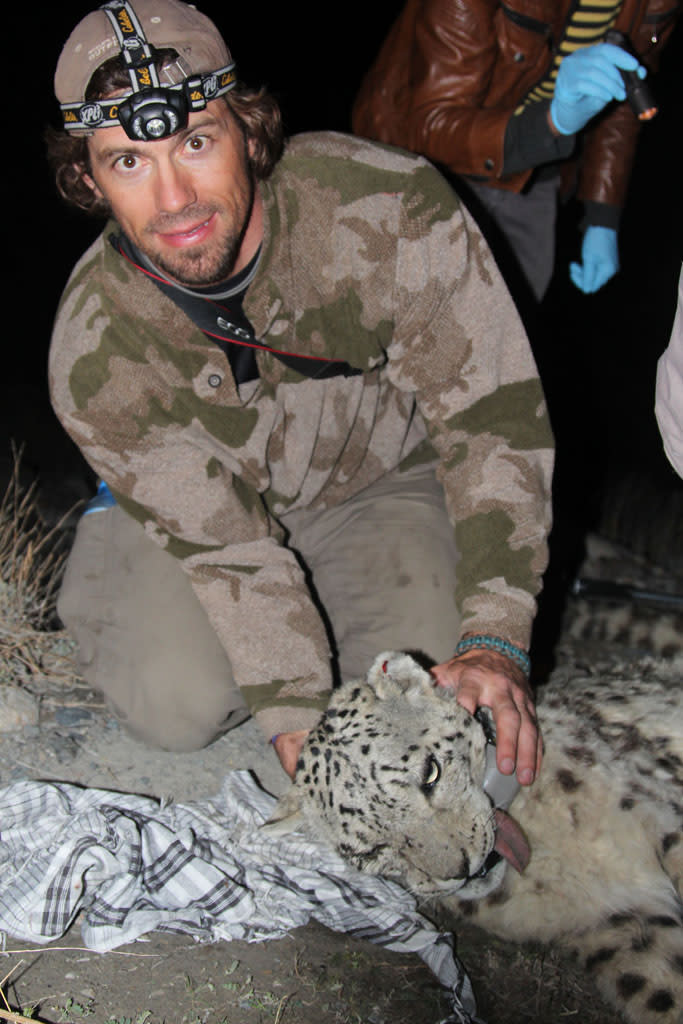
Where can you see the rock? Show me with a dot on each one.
(72, 716)
(17, 709)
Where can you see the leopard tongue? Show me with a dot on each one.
(510, 841)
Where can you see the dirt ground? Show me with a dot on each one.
(312, 975)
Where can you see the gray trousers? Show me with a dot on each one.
(527, 221)
(382, 566)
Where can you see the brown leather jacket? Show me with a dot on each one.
(451, 73)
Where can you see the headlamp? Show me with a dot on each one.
(154, 110)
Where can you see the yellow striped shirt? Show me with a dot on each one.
(587, 25)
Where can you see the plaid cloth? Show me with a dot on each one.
(132, 866)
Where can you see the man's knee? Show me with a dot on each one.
(385, 567)
(143, 639)
(174, 725)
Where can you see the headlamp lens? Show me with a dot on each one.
(156, 126)
(153, 114)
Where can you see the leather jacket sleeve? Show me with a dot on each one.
(609, 143)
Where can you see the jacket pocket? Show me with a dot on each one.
(524, 21)
(524, 48)
(655, 22)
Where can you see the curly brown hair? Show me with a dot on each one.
(256, 111)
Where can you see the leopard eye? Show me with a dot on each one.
(432, 774)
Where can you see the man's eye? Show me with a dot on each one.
(127, 162)
(196, 142)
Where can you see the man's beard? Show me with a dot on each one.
(202, 265)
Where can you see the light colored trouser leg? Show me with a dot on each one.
(384, 568)
(143, 638)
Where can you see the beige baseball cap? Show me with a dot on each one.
(161, 24)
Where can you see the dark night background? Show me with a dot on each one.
(597, 354)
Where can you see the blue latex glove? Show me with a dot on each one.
(587, 81)
(103, 499)
(600, 259)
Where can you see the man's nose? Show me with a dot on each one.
(175, 189)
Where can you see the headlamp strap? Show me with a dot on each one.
(196, 91)
(136, 51)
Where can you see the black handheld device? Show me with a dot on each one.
(638, 92)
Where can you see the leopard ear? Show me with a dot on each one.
(381, 675)
(394, 672)
(288, 815)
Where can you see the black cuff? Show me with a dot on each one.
(601, 215)
(529, 141)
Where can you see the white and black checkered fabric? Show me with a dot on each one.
(130, 866)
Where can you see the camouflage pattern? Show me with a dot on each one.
(368, 257)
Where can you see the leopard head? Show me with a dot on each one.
(392, 779)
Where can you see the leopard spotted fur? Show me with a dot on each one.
(392, 779)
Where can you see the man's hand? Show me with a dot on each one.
(599, 259)
(484, 678)
(587, 81)
(288, 747)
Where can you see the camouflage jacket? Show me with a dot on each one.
(367, 257)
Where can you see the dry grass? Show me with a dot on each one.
(31, 566)
(31, 562)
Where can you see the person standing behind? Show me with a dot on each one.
(669, 390)
(504, 95)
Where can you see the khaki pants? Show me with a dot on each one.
(382, 568)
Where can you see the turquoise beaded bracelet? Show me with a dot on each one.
(495, 643)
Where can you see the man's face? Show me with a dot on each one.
(187, 202)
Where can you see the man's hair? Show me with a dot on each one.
(256, 111)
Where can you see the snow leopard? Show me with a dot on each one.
(589, 858)
(623, 603)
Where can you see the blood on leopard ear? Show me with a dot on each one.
(380, 669)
